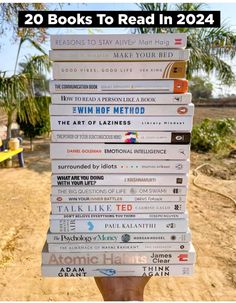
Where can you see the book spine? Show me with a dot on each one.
(179, 86)
(118, 258)
(126, 110)
(74, 225)
(116, 270)
(111, 123)
(88, 42)
(119, 180)
(133, 247)
(118, 237)
(119, 151)
(120, 137)
(117, 199)
(120, 55)
(116, 216)
(119, 166)
(119, 70)
(119, 99)
(121, 191)
(124, 208)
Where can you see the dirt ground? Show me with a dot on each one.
(24, 220)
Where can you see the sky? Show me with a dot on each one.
(8, 49)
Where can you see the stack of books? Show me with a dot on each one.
(121, 119)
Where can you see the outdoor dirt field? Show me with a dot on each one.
(24, 220)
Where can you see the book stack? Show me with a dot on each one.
(121, 119)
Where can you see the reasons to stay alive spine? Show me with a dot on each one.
(99, 247)
(116, 270)
(121, 110)
(113, 237)
(129, 226)
(120, 41)
(119, 70)
(120, 55)
(121, 137)
(107, 193)
(179, 86)
(117, 258)
(119, 179)
(120, 99)
(119, 151)
(120, 166)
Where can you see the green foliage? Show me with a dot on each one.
(213, 135)
(42, 126)
(200, 88)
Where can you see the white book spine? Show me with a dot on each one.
(120, 41)
(119, 180)
(150, 123)
(118, 216)
(120, 55)
(119, 99)
(118, 247)
(118, 258)
(119, 151)
(117, 199)
(125, 237)
(119, 70)
(124, 208)
(122, 86)
(74, 225)
(124, 191)
(116, 270)
(120, 166)
(121, 110)
(120, 137)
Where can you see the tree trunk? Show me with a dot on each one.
(31, 144)
(9, 123)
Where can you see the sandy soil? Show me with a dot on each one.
(24, 221)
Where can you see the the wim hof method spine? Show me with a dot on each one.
(121, 120)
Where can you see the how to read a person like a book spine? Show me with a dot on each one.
(121, 121)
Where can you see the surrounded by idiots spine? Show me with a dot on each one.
(119, 70)
(120, 55)
(120, 137)
(117, 270)
(120, 41)
(179, 86)
(120, 166)
(121, 110)
(119, 99)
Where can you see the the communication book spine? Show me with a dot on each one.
(120, 166)
(119, 70)
(149, 225)
(116, 270)
(120, 55)
(178, 40)
(102, 193)
(121, 110)
(112, 237)
(111, 123)
(119, 151)
(179, 86)
(119, 179)
(121, 137)
(55, 247)
(124, 208)
(119, 99)
(117, 199)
